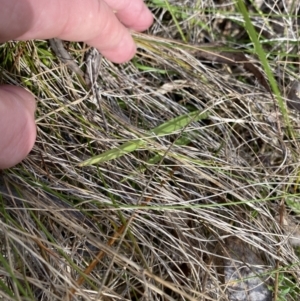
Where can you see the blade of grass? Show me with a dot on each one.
(263, 58)
(164, 129)
(8, 269)
(170, 9)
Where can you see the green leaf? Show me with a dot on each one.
(178, 123)
(263, 58)
(115, 153)
(164, 129)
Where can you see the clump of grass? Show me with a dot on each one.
(203, 161)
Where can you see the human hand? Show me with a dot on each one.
(90, 21)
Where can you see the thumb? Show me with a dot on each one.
(17, 126)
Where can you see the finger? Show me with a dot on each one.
(92, 21)
(17, 126)
(133, 14)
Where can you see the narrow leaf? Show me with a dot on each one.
(164, 129)
(178, 123)
(115, 153)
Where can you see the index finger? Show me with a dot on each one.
(91, 21)
(133, 14)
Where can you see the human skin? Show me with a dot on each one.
(101, 24)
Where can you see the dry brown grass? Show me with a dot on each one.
(218, 182)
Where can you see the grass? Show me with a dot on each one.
(176, 183)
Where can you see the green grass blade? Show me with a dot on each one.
(178, 123)
(115, 153)
(167, 128)
(170, 9)
(263, 58)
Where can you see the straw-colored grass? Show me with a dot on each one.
(148, 186)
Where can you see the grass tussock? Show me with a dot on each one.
(171, 170)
